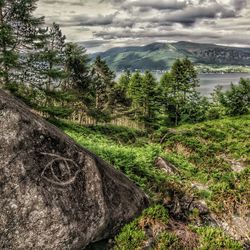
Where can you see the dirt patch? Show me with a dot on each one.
(236, 226)
(236, 165)
(182, 149)
(188, 238)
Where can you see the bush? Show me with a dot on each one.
(237, 99)
(131, 237)
(214, 113)
(168, 241)
(212, 238)
(156, 212)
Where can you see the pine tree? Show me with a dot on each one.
(8, 56)
(52, 58)
(178, 86)
(236, 100)
(185, 76)
(120, 96)
(135, 93)
(47, 71)
(77, 69)
(150, 103)
(103, 82)
(17, 27)
(78, 81)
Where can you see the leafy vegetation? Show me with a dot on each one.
(208, 154)
(54, 78)
(214, 238)
(205, 155)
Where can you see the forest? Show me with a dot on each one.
(57, 79)
(202, 138)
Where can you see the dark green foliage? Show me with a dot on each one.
(76, 64)
(237, 99)
(16, 28)
(50, 60)
(102, 84)
(150, 96)
(135, 93)
(180, 99)
(195, 108)
(120, 93)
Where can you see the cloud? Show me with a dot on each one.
(156, 4)
(239, 4)
(93, 43)
(101, 24)
(99, 20)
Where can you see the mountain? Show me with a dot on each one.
(160, 56)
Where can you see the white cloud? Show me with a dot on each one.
(107, 23)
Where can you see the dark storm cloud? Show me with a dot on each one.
(85, 20)
(239, 4)
(190, 15)
(99, 20)
(78, 3)
(154, 4)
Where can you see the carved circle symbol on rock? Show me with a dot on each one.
(60, 171)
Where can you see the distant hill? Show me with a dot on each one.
(160, 56)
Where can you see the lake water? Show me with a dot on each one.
(209, 81)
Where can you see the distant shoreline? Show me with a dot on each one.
(199, 72)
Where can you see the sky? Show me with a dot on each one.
(102, 24)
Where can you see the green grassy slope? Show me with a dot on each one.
(212, 159)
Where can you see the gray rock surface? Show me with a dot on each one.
(54, 194)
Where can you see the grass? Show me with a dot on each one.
(203, 153)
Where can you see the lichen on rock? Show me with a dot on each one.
(54, 193)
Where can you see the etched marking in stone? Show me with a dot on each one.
(60, 171)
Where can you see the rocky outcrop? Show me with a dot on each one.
(54, 193)
(166, 166)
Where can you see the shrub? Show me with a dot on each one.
(168, 241)
(131, 237)
(156, 212)
(212, 238)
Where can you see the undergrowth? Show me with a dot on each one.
(204, 155)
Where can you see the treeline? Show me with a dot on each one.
(57, 79)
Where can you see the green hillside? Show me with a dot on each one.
(210, 183)
(160, 56)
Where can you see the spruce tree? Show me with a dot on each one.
(120, 93)
(103, 82)
(135, 93)
(77, 69)
(78, 81)
(150, 103)
(17, 28)
(178, 86)
(8, 56)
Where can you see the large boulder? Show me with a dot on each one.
(54, 193)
